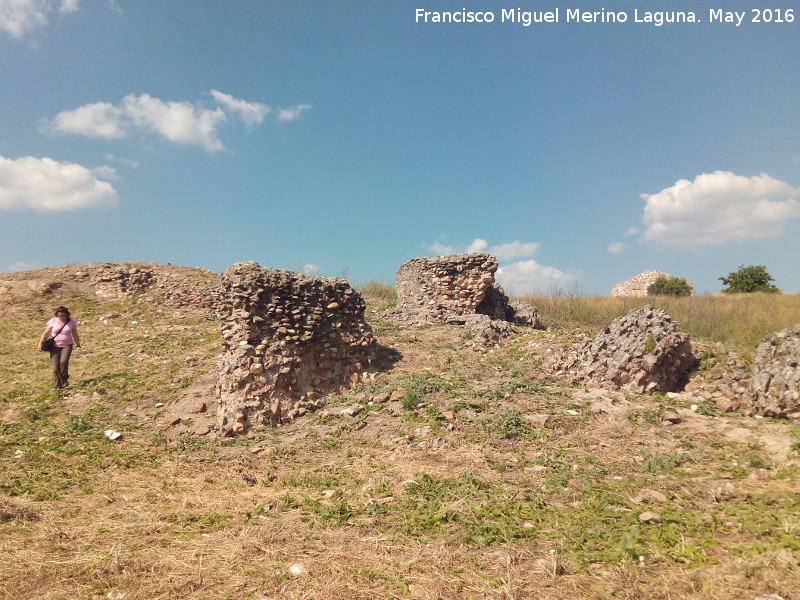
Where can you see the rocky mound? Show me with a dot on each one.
(775, 385)
(644, 351)
(181, 287)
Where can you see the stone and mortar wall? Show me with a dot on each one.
(287, 341)
(641, 352)
(433, 289)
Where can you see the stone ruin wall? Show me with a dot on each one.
(644, 351)
(288, 340)
(433, 289)
(181, 287)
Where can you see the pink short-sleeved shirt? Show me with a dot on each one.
(64, 337)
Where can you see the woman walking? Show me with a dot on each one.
(65, 335)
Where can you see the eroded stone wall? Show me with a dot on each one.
(433, 289)
(288, 340)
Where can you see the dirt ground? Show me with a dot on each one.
(460, 474)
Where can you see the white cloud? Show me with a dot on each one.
(617, 247)
(528, 277)
(180, 122)
(631, 231)
(440, 249)
(121, 160)
(718, 208)
(45, 185)
(514, 249)
(292, 113)
(105, 172)
(98, 119)
(20, 17)
(508, 251)
(251, 113)
(521, 277)
(477, 245)
(310, 269)
(68, 6)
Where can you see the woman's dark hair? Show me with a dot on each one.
(62, 309)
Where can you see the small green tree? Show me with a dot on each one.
(749, 279)
(670, 286)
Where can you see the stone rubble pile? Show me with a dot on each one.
(483, 331)
(644, 351)
(288, 340)
(525, 314)
(722, 387)
(775, 385)
(200, 292)
(181, 287)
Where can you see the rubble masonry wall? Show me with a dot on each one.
(287, 341)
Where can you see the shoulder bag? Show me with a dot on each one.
(50, 342)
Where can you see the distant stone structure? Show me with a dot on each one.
(288, 340)
(641, 352)
(636, 287)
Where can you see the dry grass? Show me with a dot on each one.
(450, 493)
(741, 320)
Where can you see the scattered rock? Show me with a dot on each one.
(670, 416)
(352, 411)
(650, 517)
(647, 494)
(522, 313)
(537, 420)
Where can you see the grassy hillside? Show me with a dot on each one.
(478, 478)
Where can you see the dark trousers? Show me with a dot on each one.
(59, 362)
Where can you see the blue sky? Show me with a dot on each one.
(345, 138)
